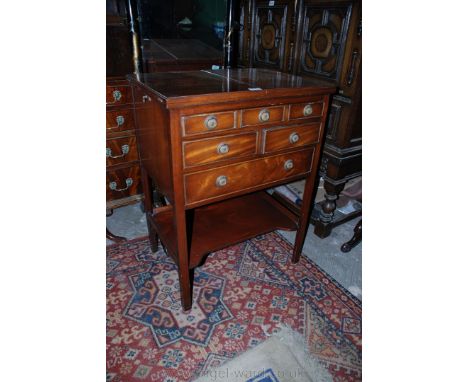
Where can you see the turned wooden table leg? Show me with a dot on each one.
(355, 240)
(323, 226)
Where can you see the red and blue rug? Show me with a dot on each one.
(240, 294)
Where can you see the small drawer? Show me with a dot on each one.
(206, 185)
(121, 150)
(209, 150)
(122, 183)
(262, 115)
(205, 123)
(306, 110)
(119, 120)
(118, 95)
(279, 138)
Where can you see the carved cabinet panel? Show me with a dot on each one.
(270, 33)
(322, 39)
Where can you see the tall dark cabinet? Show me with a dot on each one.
(319, 39)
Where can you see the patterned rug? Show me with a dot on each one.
(242, 294)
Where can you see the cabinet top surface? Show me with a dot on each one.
(179, 50)
(228, 85)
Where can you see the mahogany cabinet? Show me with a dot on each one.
(212, 142)
(318, 39)
(122, 157)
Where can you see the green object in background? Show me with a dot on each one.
(209, 12)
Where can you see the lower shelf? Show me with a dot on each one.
(218, 225)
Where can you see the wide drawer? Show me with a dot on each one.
(123, 182)
(262, 115)
(209, 150)
(306, 110)
(205, 123)
(205, 185)
(121, 150)
(119, 120)
(118, 95)
(279, 138)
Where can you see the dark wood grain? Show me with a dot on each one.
(245, 176)
(280, 138)
(210, 149)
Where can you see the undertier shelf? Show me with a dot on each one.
(216, 226)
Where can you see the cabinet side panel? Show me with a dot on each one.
(152, 130)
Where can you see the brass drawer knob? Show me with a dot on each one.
(288, 165)
(294, 138)
(125, 150)
(117, 95)
(221, 181)
(113, 185)
(211, 122)
(223, 148)
(308, 110)
(264, 115)
(146, 98)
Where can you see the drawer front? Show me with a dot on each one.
(205, 123)
(279, 138)
(121, 150)
(229, 179)
(262, 115)
(306, 110)
(118, 95)
(209, 150)
(122, 183)
(119, 120)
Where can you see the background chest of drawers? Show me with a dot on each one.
(212, 142)
(122, 167)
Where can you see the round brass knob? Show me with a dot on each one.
(264, 115)
(294, 138)
(221, 181)
(288, 165)
(211, 122)
(308, 110)
(223, 148)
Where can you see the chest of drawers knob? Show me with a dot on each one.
(146, 98)
(128, 183)
(294, 138)
(264, 115)
(288, 165)
(308, 110)
(221, 181)
(223, 148)
(211, 122)
(125, 151)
